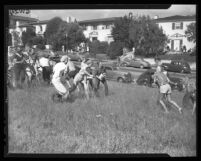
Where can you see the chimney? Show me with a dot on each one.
(155, 17)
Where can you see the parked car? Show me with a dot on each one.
(179, 66)
(147, 80)
(112, 73)
(136, 63)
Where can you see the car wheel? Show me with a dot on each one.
(182, 71)
(121, 80)
(141, 66)
(123, 65)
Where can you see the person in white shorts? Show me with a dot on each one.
(165, 90)
(58, 74)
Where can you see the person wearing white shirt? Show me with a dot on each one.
(46, 69)
(58, 73)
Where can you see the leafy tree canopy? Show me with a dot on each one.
(191, 32)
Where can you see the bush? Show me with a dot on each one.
(115, 49)
(97, 47)
(40, 42)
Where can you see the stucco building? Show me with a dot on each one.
(174, 27)
(98, 29)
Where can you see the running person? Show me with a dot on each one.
(164, 90)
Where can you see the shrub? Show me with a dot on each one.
(115, 49)
(97, 47)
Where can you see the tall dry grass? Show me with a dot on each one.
(126, 121)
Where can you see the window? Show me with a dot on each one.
(177, 25)
(108, 26)
(41, 28)
(103, 27)
(94, 27)
(94, 38)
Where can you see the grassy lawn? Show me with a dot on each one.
(126, 121)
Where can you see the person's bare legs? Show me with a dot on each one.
(161, 98)
(173, 102)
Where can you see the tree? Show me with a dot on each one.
(28, 35)
(15, 12)
(52, 29)
(17, 39)
(191, 32)
(146, 36)
(70, 35)
(115, 49)
(139, 32)
(120, 31)
(39, 41)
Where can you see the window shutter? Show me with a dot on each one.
(181, 43)
(173, 26)
(181, 25)
(172, 44)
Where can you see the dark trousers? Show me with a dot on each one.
(19, 73)
(46, 74)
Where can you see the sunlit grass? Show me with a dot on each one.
(126, 121)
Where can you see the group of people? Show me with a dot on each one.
(65, 70)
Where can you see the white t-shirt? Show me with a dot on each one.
(58, 68)
(44, 62)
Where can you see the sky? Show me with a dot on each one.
(87, 14)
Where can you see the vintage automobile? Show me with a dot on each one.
(112, 73)
(178, 66)
(147, 80)
(136, 63)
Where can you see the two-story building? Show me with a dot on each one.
(39, 27)
(15, 23)
(98, 29)
(174, 27)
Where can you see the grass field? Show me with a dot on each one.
(126, 121)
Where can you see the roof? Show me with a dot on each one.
(35, 23)
(176, 18)
(110, 19)
(23, 18)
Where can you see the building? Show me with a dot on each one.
(98, 29)
(174, 27)
(40, 27)
(15, 23)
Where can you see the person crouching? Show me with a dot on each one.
(58, 75)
